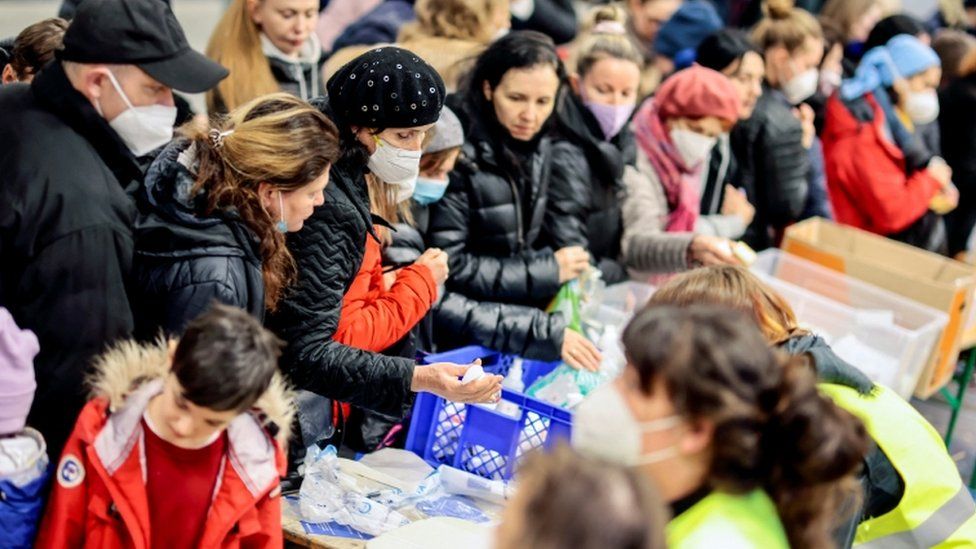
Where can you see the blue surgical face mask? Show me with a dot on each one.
(429, 190)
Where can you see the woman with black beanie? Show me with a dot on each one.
(383, 103)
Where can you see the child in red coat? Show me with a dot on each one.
(169, 452)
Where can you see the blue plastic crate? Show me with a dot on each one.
(478, 439)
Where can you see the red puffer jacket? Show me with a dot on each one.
(373, 317)
(866, 177)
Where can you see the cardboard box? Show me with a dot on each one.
(930, 279)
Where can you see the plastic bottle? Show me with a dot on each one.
(513, 381)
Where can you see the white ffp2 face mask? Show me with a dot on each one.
(922, 107)
(802, 86)
(604, 428)
(395, 166)
(142, 129)
(693, 147)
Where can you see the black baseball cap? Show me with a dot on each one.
(144, 33)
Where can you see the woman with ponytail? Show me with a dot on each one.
(216, 205)
(736, 437)
(776, 148)
(908, 477)
(595, 143)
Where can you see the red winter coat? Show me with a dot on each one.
(99, 498)
(374, 318)
(866, 177)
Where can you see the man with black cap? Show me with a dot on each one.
(69, 144)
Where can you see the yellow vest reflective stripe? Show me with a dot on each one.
(728, 520)
(936, 509)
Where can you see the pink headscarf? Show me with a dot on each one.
(695, 92)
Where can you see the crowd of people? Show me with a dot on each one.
(203, 295)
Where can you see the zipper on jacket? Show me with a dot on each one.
(518, 213)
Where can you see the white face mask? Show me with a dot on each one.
(395, 166)
(604, 428)
(829, 81)
(404, 190)
(801, 86)
(142, 129)
(693, 147)
(922, 107)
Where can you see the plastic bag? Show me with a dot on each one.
(329, 495)
(578, 296)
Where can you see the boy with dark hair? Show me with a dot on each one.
(177, 447)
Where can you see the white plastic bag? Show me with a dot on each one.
(329, 495)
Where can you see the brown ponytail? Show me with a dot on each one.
(814, 447)
(772, 428)
(277, 139)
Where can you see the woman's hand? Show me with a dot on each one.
(579, 352)
(443, 379)
(572, 260)
(804, 113)
(708, 250)
(736, 203)
(436, 260)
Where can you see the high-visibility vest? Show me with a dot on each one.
(729, 521)
(936, 509)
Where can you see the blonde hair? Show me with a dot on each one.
(277, 139)
(735, 288)
(456, 19)
(383, 202)
(604, 37)
(785, 25)
(846, 13)
(236, 44)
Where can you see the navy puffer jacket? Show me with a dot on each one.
(184, 260)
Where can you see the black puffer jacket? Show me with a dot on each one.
(329, 251)
(184, 260)
(584, 193)
(773, 168)
(488, 223)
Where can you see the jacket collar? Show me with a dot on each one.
(54, 92)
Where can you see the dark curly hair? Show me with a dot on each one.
(772, 428)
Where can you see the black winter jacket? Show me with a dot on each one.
(65, 237)
(773, 168)
(329, 251)
(184, 260)
(489, 223)
(584, 192)
(957, 120)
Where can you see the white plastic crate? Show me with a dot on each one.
(888, 337)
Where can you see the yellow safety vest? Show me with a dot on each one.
(936, 509)
(730, 521)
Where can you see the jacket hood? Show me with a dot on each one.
(130, 366)
(169, 225)
(301, 70)
(830, 367)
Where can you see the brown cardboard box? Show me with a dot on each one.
(928, 278)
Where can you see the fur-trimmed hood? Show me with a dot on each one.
(129, 365)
